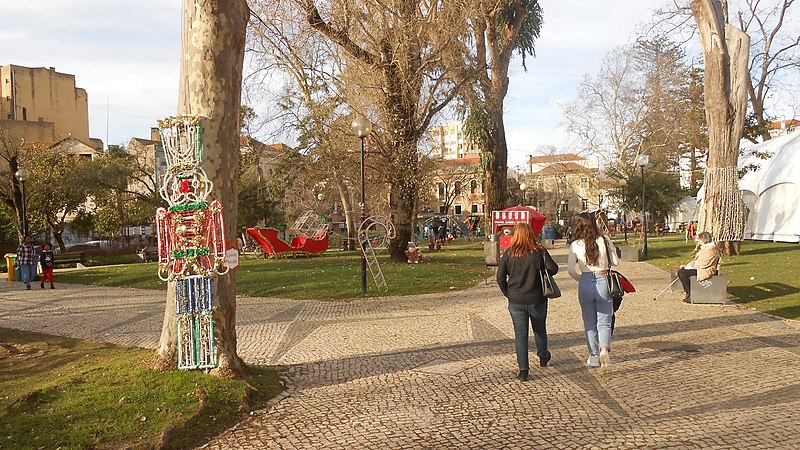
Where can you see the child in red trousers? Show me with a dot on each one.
(47, 260)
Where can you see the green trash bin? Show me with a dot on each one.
(11, 265)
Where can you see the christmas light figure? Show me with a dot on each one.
(191, 240)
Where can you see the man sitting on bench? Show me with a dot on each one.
(704, 265)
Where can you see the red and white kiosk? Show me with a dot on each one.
(503, 222)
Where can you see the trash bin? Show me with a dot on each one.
(549, 233)
(491, 251)
(13, 271)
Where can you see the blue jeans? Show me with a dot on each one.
(597, 310)
(28, 273)
(520, 315)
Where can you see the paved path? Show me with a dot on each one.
(438, 371)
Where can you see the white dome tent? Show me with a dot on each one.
(685, 211)
(771, 190)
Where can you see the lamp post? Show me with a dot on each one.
(622, 184)
(22, 176)
(361, 127)
(641, 161)
(522, 187)
(560, 210)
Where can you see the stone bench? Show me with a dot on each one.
(717, 292)
(628, 253)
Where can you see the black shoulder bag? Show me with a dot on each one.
(549, 287)
(614, 285)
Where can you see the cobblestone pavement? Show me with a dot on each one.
(438, 371)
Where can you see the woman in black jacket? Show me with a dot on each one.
(519, 279)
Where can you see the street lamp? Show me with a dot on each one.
(22, 176)
(361, 127)
(522, 187)
(622, 184)
(641, 161)
(560, 210)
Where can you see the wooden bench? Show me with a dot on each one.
(70, 258)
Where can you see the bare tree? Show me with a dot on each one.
(395, 53)
(725, 51)
(774, 50)
(210, 86)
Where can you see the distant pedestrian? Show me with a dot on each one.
(47, 260)
(589, 252)
(26, 259)
(519, 279)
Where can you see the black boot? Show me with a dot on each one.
(543, 360)
(523, 375)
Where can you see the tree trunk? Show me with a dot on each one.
(725, 51)
(210, 87)
(347, 211)
(496, 176)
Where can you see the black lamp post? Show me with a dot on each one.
(22, 176)
(361, 127)
(622, 184)
(641, 161)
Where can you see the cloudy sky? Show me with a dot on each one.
(126, 53)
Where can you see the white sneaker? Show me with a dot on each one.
(593, 361)
(605, 358)
(704, 283)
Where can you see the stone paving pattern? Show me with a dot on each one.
(438, 371)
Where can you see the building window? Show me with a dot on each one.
(540, 183)
(584, 204)
(458, 210)
(541, 205)
(473, 187)
(483, 186)
(442, 210)
(458, 188)
(585, 182)
(474, 209)
(440, 187)
(565, 206)
(24, 113)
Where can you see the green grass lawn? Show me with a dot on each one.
(764, 276)
(58, 392)
(334, 275)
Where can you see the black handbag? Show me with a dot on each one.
(614, 285)
(549, 287)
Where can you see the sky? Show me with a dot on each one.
(125, 54)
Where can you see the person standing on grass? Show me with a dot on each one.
(590, 252)
(47, 260)
(26, 259)
(519, 279)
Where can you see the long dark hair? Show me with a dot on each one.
(523, 240)
(587, 231)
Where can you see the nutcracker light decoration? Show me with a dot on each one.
(191, 240)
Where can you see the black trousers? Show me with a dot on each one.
(684, 275)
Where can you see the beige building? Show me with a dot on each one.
(40, 104)
(560, 186)
(459, 188)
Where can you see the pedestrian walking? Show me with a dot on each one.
(47, 260)
(704, 265)
(589, 255)
(519, 278)
(26, 259)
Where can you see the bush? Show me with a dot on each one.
(110, 260)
